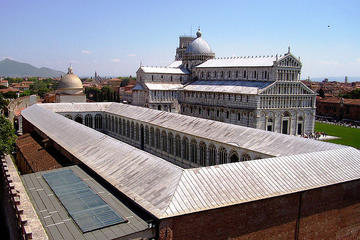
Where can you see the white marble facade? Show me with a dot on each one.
(263, 92)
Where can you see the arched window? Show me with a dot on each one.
(88, 120)
(128, 128)
(68, 116)
(171, 143)
(157, 138)
(79, 119)
(193, 147)
(269, 124)
(152, 137)
(112, 123)
(212, 155)
(202, 147)
(147, 135)
(177, 146)
(234, 157)
(116, 125)
(124, 127)
(120, 126)
(245, 157)
(137, 132)
(164, 141)
(98, 121)
(132, 130)
(185, 148)
(222, 156)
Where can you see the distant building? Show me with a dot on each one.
(70, 89)
(4, 83)
(346, 79)
(125, 93)
(338, 108)
(263, 92)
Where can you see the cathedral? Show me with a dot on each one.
(263, 92)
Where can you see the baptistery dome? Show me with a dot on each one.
(70, 84)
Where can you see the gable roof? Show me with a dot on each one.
(269, 143)
(257, 61)
(164, 70)
(227, 86)
(166, 190)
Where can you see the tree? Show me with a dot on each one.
(321, 93)
(7, 136)
(25, 93)
(3, 102)
(354, 94)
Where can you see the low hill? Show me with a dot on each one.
(11, 68)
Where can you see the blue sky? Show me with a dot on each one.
(112, 37)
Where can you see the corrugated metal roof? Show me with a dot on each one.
(166, 190)
(239, 62)
(270, 143)
(243, 87)
(172, 70)
(77, 107)
(148, 180)
(234, 183)
(163, 86)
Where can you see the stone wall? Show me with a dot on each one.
(331, 212)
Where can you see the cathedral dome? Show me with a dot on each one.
(198, 46)
(70, 83)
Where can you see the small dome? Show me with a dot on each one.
(198, 46)
(70, 83)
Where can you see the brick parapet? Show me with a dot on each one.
(27, 219)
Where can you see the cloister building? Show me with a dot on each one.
(261, 92)
(155, 169)
(183, 140)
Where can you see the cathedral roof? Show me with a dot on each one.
(165, 70)
(198, 46)
(226, 86)
(240, 62)
(175, 64)
(163, 86)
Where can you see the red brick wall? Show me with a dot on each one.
(331, 213)
(327, 213)
(352, 112)
(267, 219)
(27, 127)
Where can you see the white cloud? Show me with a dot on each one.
(85, 51)
(131, 55)
(357, 60)
(115, 60)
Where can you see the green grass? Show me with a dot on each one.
(347, 136)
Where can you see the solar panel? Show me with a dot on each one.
(88, 209)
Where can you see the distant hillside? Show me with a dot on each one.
(11, 68)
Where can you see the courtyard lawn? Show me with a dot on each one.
(347, 136)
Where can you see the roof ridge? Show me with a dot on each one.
(163, 214)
